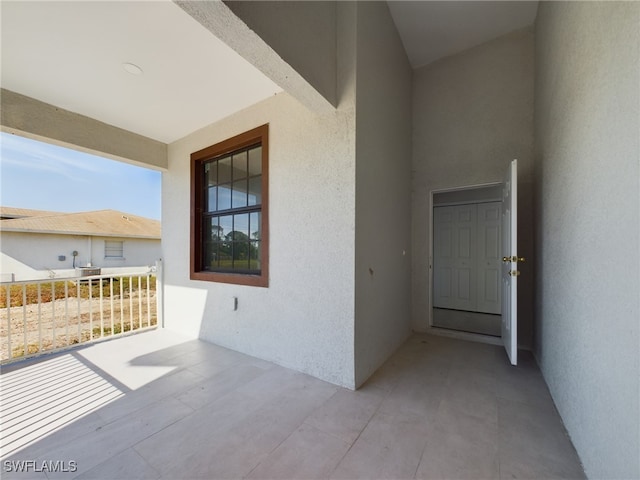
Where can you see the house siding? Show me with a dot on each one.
(587, 224)
(35, 255)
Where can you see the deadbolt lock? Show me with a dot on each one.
(514, 273)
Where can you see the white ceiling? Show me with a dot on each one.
(432, 30)
(70, 54)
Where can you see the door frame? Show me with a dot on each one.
(430, 328)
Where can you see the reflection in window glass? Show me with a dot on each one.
(224, 197)
(232, 205)
(240, 166)
(224, 170)
(255, 191)
(239, 196)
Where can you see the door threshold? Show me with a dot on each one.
(473, 337)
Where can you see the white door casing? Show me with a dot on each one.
(510, 263)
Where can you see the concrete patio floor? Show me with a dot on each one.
(155, 405)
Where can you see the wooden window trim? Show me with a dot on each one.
(246, 139)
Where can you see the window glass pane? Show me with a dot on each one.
(211, 260)
(239, 196)
(254, 225)
(225, 261)
(255, 161)
(226, 227)
(254, 255)
(211, 172)
(240, 166)
(224, 197)
(241, 227)
(240, 255)
(224, 170)
(212, 204)
(255, 191)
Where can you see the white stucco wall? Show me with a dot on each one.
(33, 255)
(383, 190)
(304, 319)
(473, 114)
(313, 26)
(587, 223)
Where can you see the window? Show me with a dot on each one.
(114, 249)
(229, 205)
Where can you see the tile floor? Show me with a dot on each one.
(156, 406)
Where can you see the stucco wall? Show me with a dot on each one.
(29, 255)
(383, 186)
(587, 223)
(304, 319)
(473, 114)
(311, 24)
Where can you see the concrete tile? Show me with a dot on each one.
(346, 413)
(180, 443)
(127, 464)
(533, 442)
(524, 386)
(389, 447)
(219, 385)
(113, 438)
(472, 392)
(413, 395)
(166, 386)
(308, 453)
(460, 446)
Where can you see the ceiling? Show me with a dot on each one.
(432, 30)
(71, 55)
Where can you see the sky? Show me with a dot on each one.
(42, 176)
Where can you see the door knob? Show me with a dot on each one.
(506, 259)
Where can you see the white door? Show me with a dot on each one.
(510, 262)
(455, 257)
(489, 258)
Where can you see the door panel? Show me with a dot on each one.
(510, 263)
(489, 258)
(454, 265)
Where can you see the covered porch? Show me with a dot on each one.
(159, 405)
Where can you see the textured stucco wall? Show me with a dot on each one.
(587, 226)
(304, 319)
(473, 114)
(26, 253)
(383, 186)
(312, 27)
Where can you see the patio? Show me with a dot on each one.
(155, 405)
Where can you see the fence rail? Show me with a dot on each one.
(39, 316)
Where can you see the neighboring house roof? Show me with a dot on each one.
(12, 212)
(103, 223)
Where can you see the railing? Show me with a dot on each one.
(39, 316)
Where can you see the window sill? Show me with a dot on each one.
(233, 278)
